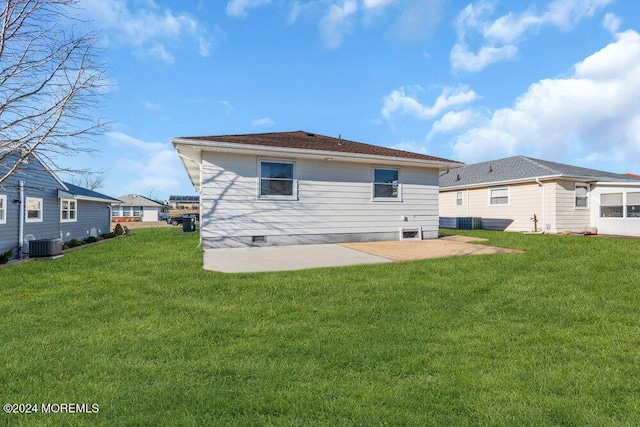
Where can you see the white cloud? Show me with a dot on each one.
(500, 37)
(239, 8)
(335, 23)
(149, 166)
(145, 29)
(595, 113)
(376, 4)
(398, 102)
(454, 121)
(263, 122)
(611, 23)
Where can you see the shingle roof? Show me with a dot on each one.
(311, 141)
(137, 200)
(81, 191)
(520, 168)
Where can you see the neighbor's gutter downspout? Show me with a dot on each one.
(544, 218)
(21, 221)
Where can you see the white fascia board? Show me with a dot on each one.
(498, 183)
(616, 183)
(318, 154)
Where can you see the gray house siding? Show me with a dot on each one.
(93, 220)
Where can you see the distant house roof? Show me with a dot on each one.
(183, 199)
(298, 144)
(137, 200)
(632, 175)
(520, 168)
(86, 193)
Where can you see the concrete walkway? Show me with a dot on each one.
(282, 258)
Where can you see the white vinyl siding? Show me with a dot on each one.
(3, 209)
(333, 197)
(68, 210)
(34, 208)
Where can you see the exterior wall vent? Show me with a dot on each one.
(411, 233)
(45, 248)
(258, 239)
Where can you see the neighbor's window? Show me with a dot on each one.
(386, 184)
(276, 180)
(3, 209)
(459, 198)
(34, 209)
(136, 211)
(68, 210)
(582, 195)
(498, 196)
(115, 211)
(611, 205)
(126, 211)
(633, 205)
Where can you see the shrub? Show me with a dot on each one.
(118, 231)
(108, 235)
(92, 239)
(6, 256)
(73, 243)
(65, 247)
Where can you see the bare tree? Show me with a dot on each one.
(92, 180)
(50, 83)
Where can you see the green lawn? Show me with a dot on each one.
(549, 337)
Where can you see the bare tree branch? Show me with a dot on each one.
(92, 180)
(51, 83)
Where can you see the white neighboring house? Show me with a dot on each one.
(507, 193)
(299, 187)
(136, 208)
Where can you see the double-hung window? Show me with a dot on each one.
(499, 196)
(459, 198)
(633, 205)
(386, 184)
(34, 209)
(277, 180)
(3, 209)
(582, 195)
(68, 210)
(611, 205)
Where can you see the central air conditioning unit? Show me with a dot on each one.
(45, 248)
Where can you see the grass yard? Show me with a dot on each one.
(549, 337)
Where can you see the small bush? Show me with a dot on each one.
(118, 231)
(65, 247)
(74, 242)
(92, 239)
(108, 235)
(6, 256)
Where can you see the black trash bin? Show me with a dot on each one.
(188, 225)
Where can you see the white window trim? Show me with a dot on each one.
(499, 205)
(455, 200)
(26, 210)
(581, 184)
(75, 217)
(259, 196)
(3, 219)
(373, 185)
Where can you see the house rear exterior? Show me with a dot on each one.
(298, 187)
(507, 194)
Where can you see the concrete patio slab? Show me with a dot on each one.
(283, 258)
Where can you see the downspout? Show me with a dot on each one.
(544, 215)
(21, 221)
(200, 204)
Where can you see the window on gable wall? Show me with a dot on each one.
(68, 210)
(3, 209)
(581, 195)
(34, 209)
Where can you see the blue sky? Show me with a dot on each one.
(470, 81)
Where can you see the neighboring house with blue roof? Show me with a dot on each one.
(507, 193)
(36, 204)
